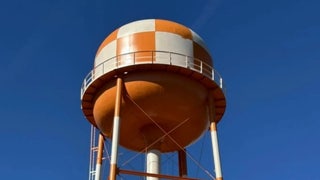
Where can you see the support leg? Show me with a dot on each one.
(215, 148)
(99, 158)
(214, 139)
(115, 132)
(183, 171)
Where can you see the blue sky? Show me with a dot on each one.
(267, 52)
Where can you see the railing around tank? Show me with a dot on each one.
(152, 57)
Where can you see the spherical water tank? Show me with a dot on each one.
(168, 77)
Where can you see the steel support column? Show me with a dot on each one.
(183, 170)
(99, 158)
(115, 131)
(214, 139)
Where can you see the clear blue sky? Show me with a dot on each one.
(267, 51)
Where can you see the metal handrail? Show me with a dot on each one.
(170, 58)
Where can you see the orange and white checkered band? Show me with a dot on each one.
(153, 35)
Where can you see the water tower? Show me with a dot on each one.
(153, 88)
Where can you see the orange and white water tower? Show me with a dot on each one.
(153, 88)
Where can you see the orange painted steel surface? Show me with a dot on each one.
(110, 38)
(166, 92)
(172, 27)
(100, 149)
(166, 98)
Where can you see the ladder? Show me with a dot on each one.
(93, 152)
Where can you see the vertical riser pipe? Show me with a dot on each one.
(153, 163)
